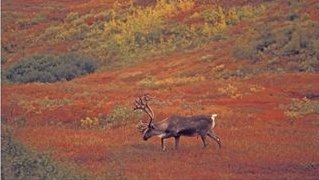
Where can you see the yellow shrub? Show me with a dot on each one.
(232, 16)
(180, 80)
(231, 91)
(90, 122)
(143, 20)
(250, 11)
(186, 5)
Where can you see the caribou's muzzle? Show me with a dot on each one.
(146, 137)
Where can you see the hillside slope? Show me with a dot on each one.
(258, 73)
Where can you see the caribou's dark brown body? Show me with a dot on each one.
(182, 126)
(176, 126)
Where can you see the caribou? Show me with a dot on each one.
(175, 126)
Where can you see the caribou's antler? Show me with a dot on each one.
(141, 126)
(142, 104)
(147, 98)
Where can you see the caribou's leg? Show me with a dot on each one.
(163, 144)
(203, 137)
(216, 138)
(177, 142)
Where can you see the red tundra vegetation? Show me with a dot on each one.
(268, 120)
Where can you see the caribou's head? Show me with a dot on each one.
(147, 129)
(150, 131)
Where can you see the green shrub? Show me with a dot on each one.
(246, 50)
(49, 68)
(19, 162)
(3, 60)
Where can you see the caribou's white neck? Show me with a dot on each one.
(161, 135)
(213, 119)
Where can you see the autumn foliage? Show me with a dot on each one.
(254, 63)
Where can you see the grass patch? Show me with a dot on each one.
(300, 107)
(230, 91)
(153, 83)
(118, 116)
(28, 23)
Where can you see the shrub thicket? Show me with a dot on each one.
(137, 32)
(50, 68)
(295, 43)
(124, 34)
